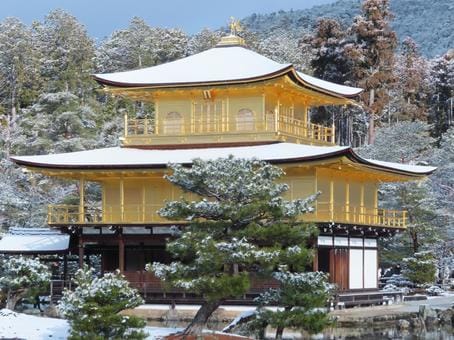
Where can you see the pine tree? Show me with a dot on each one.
(301, 299)
(331, 63)
(140, 45)
(19, 79)
(420, 268)
(19, 276)
(239, 228)
(441, 114)
(412, 83)
(67, 54)
(93, 308)
(373, 56)
(412, 144)
(204, 40)
(442, 182)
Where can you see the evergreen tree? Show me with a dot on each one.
(140, 45)
(301, 299)
(240, 228)
(420, 268)
(373, 56)
(58, 122)
(441, 114)
(19, 276)
(19, 79)
(67, 54)
(411, 144)
(412, 83)
(331, 63)
(442, 182)
(204, 40)
(93, 308)
(283, 47)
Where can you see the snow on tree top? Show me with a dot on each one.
(121, 158)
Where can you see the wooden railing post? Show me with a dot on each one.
(125, 132)
(81, 200)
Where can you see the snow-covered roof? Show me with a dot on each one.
(33, 240)
(327, 85)
(122, 158)
(219, 65)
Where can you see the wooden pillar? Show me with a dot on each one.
(264, 115)
(125, 118)
(65, 267)
(375, 204)
(121, 253)
(362, 209)
(347, 201)
(331, 198)
(81, 252)
(277, 116)
(156, 117)
(305, 119)
(81, 200)
(122, 200)
(315, 260)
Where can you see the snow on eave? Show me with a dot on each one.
(421, 170)
(332, 88)
(33, 244)
(279, 153)
(224, 65)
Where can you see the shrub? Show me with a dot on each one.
(93, 308)
(420, 268)
(21, 277)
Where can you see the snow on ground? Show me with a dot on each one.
(23, 326)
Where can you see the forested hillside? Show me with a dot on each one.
(429, 23)
(49, 102)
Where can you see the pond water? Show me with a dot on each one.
(336, 333)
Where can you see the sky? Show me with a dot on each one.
(102, 17)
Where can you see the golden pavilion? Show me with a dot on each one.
(225, 101)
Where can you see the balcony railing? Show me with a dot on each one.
(281, 125)
(326, 211)
(143, 214)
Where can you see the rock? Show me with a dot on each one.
(428, 315)
(403, 324)
(446, 317)
(417, 323)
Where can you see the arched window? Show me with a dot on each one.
(173, 123)
(245, 120)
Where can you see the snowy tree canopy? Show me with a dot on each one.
(239, 228)
(18, 275)
(92, 309)
(303, 298)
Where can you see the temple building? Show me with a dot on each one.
(225, 101)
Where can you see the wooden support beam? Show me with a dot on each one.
(81, 200)
(121, 253)
(315, 259)
(122, 200)
(347, 201)
(81, 252)
(65, 267)
(331, 198)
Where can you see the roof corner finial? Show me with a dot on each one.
(235, 26)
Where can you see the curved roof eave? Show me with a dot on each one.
(280, 72)
(297, 153)
(228, 65)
